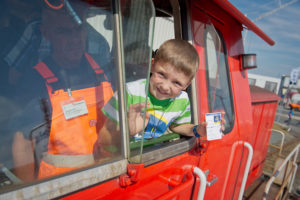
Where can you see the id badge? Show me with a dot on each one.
(213, 127)
(74, 108)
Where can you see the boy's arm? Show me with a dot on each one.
(182, 124)
(195, 130)
(187, 129)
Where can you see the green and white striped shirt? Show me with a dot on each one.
(163, 113)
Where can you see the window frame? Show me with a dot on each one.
(152, 155)
(252, 81)
(78, 179)
(96, 174)
(220, 36)
(270, 84)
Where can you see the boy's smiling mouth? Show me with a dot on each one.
(162, 91)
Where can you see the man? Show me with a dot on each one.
(71, 88)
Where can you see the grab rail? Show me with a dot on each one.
(202, 186)
(288, 180)
(250, 154)
(282, 141)
(246, 171)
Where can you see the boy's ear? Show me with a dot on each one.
(152, 64)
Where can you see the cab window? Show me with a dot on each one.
(137, 28)
(218, 82)
(214, 69)
(154, 149)
(58, 70)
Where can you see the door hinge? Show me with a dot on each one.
(133, 175)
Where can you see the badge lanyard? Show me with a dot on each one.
(74, 107)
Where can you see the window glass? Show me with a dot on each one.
(219, 89)
(271, 86)
(137, 29)
(252, 81)
(164, 30)
(57, 72)
(158, 142)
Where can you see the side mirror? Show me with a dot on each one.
(248, 61)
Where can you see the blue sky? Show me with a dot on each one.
(283, 26)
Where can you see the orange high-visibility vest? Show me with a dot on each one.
(71, 141)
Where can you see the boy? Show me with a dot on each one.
(172, 71)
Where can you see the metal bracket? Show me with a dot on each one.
(211, 178)
(133, 175)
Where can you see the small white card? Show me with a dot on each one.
(213, 127)
(74, 109)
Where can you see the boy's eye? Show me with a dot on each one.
(177, 84)
(161, 74)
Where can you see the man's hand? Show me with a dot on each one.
(136, 118)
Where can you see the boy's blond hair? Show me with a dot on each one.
(181, 54)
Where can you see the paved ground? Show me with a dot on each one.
(282, 118)
(292, 139)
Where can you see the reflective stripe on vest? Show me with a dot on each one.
(68, 161)
(71, 142)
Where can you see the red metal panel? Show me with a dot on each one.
(169, 178)
(220, 152)
(216, 158)
(160, 179)
(263, 116)
(262, 95)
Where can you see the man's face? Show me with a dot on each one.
(166, 81)
(66, 37)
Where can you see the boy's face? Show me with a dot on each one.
(166, 81)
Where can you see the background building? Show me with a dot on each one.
(281, 86)
(270, 83)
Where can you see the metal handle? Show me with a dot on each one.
(202, 186)
(246, 170)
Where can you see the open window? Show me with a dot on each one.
(168, 21)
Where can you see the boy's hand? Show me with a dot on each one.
(223, 121)
(201, 129)
(136, 119)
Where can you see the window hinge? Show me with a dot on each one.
(133, 175)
